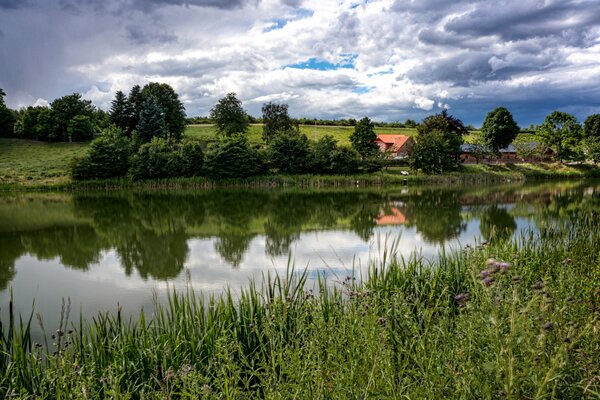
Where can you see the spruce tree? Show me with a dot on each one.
(152, 121)
(119, 111)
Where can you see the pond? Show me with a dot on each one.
(104, 249)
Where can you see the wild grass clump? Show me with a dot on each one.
(518, 319)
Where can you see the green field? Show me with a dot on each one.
(28, 162)
(313, 132)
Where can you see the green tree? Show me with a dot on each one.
(107, 157)
(119, 111)
(7, 117)
(289, 153)
(321, 154)
(173, 109)
(432, 154)
(135, 103)
(363, 139)
(229, 116)
(499, 129)
(561, 131)
(67, 107)
(233, 157)
(80, 128)
(450, 127)
(591, 127)
(156, 159)
(152, 121)
(276, 120)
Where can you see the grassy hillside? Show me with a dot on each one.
(313, 132)
(30, 162)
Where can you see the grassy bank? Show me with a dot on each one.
(37, 165)
(464, 327)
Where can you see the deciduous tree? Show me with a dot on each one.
(363, 139)
(561, 131)
(499, 129)
(229, 116)
(276, 120)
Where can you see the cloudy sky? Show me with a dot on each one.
(386, 59)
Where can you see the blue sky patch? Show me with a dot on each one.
(362, 89)
(278, 23)
(347, 61)
(386, 72)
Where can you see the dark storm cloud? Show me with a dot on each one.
(526, 19)
(13, 4)
(142, 35)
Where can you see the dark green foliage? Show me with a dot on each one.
(7, 118)
(561, 131)
(173, 109)
(229, 116)
(120, 111)
(499, 129)
(80, 129)
(363, 138)
(437, 147)
(107, 157)
(289, 153)
(152, 122)
(37, 123)
(433, 154)
(156, 160)
(135, 103)
(192, 157)
(409, 123)
(346, 160)
(321, 153)
(591, 126)
(67, 107)
(276, 120)
(233, 157)
(591, 132)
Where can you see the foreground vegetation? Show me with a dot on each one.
(522, 325)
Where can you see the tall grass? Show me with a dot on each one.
(524, 325)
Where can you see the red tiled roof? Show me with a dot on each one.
(396, 141)
(397, 218)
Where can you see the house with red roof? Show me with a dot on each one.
(398, 146)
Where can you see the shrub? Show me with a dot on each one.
(192, 158)
(345, 160)
(233, 158)
(289, 153)
(156, 160)
(107, 157)
(321, 155)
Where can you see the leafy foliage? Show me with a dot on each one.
(229, 116)
(561, 131)
(7, 118)
(499, 129)
(233, 158)
(107, 157)
(433, 154)
(67, 107)
(168, 101)
(120, 111)
(591, 127)
(289, 153)
(363, 138)
(192, 157)
(80, 128)
(155, 160)
(451, 128)
(276, 120)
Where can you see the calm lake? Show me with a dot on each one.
(112, 248)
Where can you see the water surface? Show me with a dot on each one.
(119, 247)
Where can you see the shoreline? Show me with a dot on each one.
(390, 177)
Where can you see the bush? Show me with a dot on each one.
(345, 160)
(80, 128)
(321, 155)
(433, 154)
(156, 160)
(289, 153)
(107, 157)
(192, 158)
(233, 158)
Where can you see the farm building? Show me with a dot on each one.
(474, 154)
(398, 146)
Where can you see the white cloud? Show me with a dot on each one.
(424, 103)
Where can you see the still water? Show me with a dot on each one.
(105, 249)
